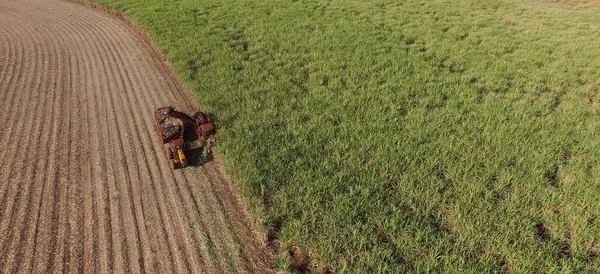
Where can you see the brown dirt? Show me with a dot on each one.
(84, 182)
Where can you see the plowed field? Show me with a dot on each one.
(84, 183)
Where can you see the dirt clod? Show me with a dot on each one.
(543, 231)
(299, 260)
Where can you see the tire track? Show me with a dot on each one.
(93, 193)
(112, 136)
(73, 246)
(185, 245)
(125, 101)
(136, 75)
(220, 244)
(181, 196)
(219, 252)
(166, 230)
(197, 241)
(106, 144)
(102, 245)
(181, 264)
(49, 222)
(59, 226)
(94, 227)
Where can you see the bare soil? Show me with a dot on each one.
(84, 182)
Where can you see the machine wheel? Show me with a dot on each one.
(169, 153)
(183, 165)
(172, 164)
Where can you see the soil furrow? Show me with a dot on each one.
(54, 216)
(107, 141)
(182, 227)
(46, 229)
(18, 193)
(39, 139)
(92, 232)
(173, 210)
(69, 241)
(103, 244)
(167, 229)
(14, 58)
(16, 108)
(184, 247)
(206, 238)
(125, 101)
(199, 237)
(75, 243)
(62, 261)
(137, 98)
(59, 213)
(215, 212)
(159, 247)
(87, 243)
(14, 62)
(116, 169)
(7, 63)
(90, 226)
(126, 149)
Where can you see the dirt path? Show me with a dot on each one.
(84, 184)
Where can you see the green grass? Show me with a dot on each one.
(394, 136)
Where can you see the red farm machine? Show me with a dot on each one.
(179, 132)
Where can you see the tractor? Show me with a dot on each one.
(178, 131)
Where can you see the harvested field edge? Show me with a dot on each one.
(296, 259)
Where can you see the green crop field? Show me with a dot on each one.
(402, 136)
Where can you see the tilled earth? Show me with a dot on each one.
(84, 182)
